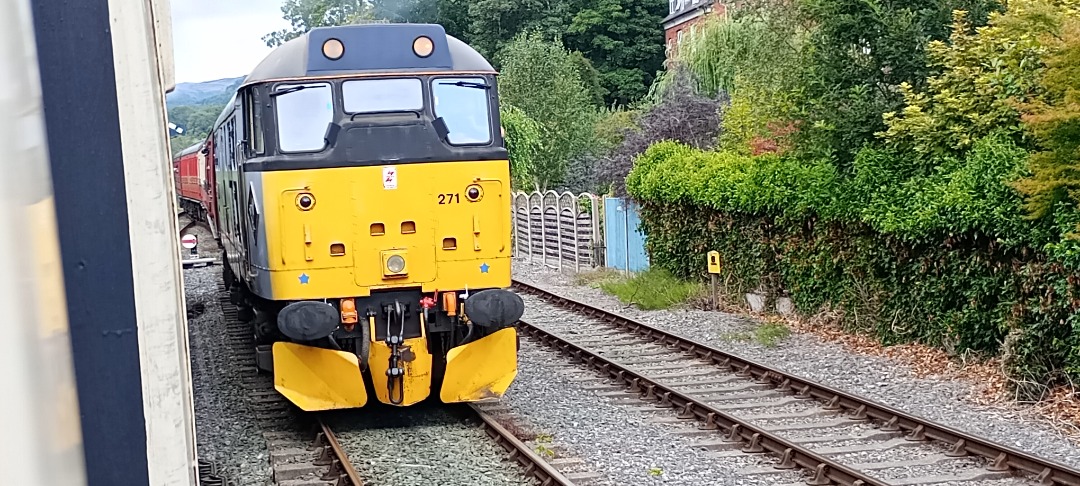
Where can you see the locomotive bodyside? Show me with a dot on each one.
(364, 198)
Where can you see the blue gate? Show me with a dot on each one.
(624, 243)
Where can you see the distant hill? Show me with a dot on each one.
(216, 92)
(194, 107)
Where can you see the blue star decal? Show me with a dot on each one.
(484, 268)
(304, 278)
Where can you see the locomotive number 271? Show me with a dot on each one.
(449, 198)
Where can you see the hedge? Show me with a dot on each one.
(937, 253)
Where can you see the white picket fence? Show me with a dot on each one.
(559, 230)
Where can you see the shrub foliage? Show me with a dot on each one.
(922, 179)
(944, 259)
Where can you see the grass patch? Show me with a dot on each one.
(768, 334)
(650, 290)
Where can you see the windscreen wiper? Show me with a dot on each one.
(468, 84)
(291, 89)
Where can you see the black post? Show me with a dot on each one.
(75, 53)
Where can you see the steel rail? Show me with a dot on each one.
(1003, 457)
(756, 439)
(341, 458)
(535, 466)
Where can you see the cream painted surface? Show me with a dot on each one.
(142, 56)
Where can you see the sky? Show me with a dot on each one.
(214, 39)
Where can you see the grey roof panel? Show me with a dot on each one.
(290, 60)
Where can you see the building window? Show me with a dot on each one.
(680, 38)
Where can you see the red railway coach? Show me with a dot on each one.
(194, 172)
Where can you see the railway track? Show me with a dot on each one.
(753, 408)
(534, 465)
(306, 451)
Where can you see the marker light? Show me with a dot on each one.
(305, 201)
(423, 46)
(333, 49)
(474, 193)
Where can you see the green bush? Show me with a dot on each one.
(523, 143)
(940, 256)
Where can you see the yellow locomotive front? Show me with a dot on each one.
(366, 218)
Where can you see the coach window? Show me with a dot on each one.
(382, 95)
(304, 111)
(463, 105)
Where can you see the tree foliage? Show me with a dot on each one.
(868, 166)
(681, 115)
(196, 120)
(982, 75)
(857, 53)
(1053, 119)
(623, 39)
(304, 15)
(754, 55)
(541, 79)
(524, 139)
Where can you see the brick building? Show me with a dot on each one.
(683, 17)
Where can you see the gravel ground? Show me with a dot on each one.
(225, 430)
(423, 445)
(738, 403)
(623, 444)
(882, 379)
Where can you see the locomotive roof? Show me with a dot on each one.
(369, 48)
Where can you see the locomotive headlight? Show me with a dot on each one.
(395, 264)
(333, 49)
(423, 46)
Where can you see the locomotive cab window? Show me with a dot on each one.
(303, 113)
(463, 105)
(382, 95)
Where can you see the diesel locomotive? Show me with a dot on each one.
(362, 202)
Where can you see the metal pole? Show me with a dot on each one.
(626, 233)
(715, 298)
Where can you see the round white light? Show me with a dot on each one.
(333, 49)
(395, 264)
(422, 46)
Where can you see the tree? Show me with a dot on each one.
(1053, 118)
(625, 41)
(681, 115)
(453, 15)
(982, 76)
(858, 53)
(523, 142)
(305, 15)
(541, 79)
